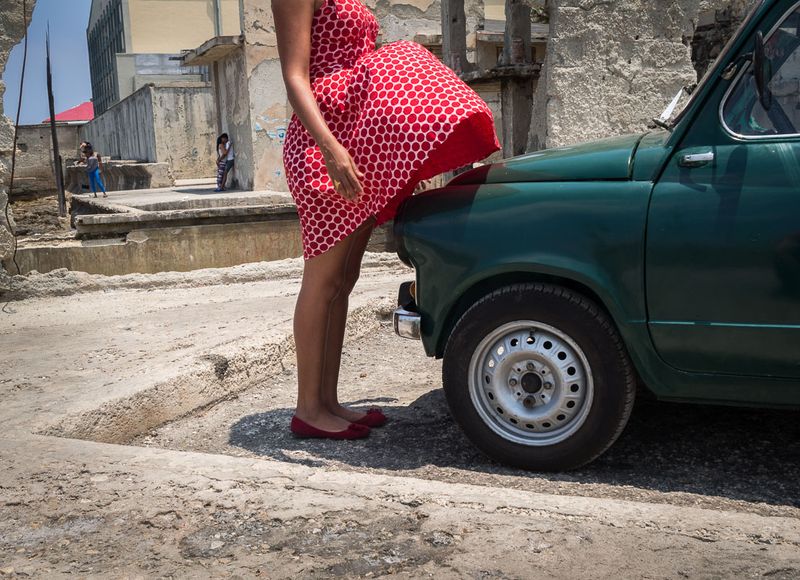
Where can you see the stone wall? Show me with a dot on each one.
(612, 65)
(186, 123)
(12, 29)
(126, 130)
(172, 123)
(34, 173)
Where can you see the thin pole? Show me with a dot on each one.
(217, 18)
(16, 132)
(62, 202)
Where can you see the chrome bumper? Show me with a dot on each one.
(406, 324)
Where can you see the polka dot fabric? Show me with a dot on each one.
(401, 114)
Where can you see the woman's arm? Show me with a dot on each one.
(293, 20)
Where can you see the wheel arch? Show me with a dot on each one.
(494, 282)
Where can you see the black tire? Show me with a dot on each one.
(580, 319)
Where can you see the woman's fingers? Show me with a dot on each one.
(357, 174)
(343, 185)
(344, 174)
(352, 185)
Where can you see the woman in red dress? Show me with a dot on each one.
(368, 125)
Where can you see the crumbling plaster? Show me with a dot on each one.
(612, 65)
(12, 30)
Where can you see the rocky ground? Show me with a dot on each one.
(170, 396)
(38, 216)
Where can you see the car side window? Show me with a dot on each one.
(743, 112)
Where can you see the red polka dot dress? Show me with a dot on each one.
(403, 116)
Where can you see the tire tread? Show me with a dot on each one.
(597, 314)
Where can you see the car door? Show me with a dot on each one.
(723, 240)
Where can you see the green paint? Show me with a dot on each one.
(658, 244)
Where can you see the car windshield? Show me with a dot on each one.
(680, 104)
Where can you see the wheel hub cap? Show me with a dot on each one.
(531, 383)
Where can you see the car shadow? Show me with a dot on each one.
(741, 454)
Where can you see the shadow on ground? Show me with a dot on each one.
(740, 454)
(210, 190)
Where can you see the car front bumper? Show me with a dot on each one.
(406, 323)
(406, 317)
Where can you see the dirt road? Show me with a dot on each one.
(715, 457)
(224, 492)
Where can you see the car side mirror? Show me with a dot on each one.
(762, 71)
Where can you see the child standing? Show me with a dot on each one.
(94, 164)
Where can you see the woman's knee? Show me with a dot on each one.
(350, 280)
(324, 287)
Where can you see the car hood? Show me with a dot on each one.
(606, 159)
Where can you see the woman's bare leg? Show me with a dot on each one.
(338, 322)
(323, 282)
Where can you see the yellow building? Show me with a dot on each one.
(136, 42)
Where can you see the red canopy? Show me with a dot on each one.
(83, 112)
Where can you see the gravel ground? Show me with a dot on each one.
(715, 457)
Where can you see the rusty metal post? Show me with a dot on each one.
(57, 167)
(516, 92)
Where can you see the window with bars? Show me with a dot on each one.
(105, 39)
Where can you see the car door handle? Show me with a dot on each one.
(696, 159)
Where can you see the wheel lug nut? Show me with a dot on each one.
(529, 402)
(548, 386)
(513, 382)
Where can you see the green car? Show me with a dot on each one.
(555, 283)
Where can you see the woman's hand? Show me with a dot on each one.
(344, 173)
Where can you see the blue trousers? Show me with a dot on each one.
(95, 181)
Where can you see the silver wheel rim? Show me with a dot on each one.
(531, 383)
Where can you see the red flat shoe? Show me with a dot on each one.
(302, 429)
(373, 418)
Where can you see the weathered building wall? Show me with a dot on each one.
(269, 105)
(186, 124)
(125, 131)
(172, 123)
(233, 92)
(403, 19)
(12, 30)
(613, 65)
(34, 173)
(168, 27)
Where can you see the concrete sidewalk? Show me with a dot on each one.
(110, 364)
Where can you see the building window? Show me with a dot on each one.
(105, 39)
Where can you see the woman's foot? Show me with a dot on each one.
(372, 418)
(302, 429)
(322, 419)
(105, 195)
